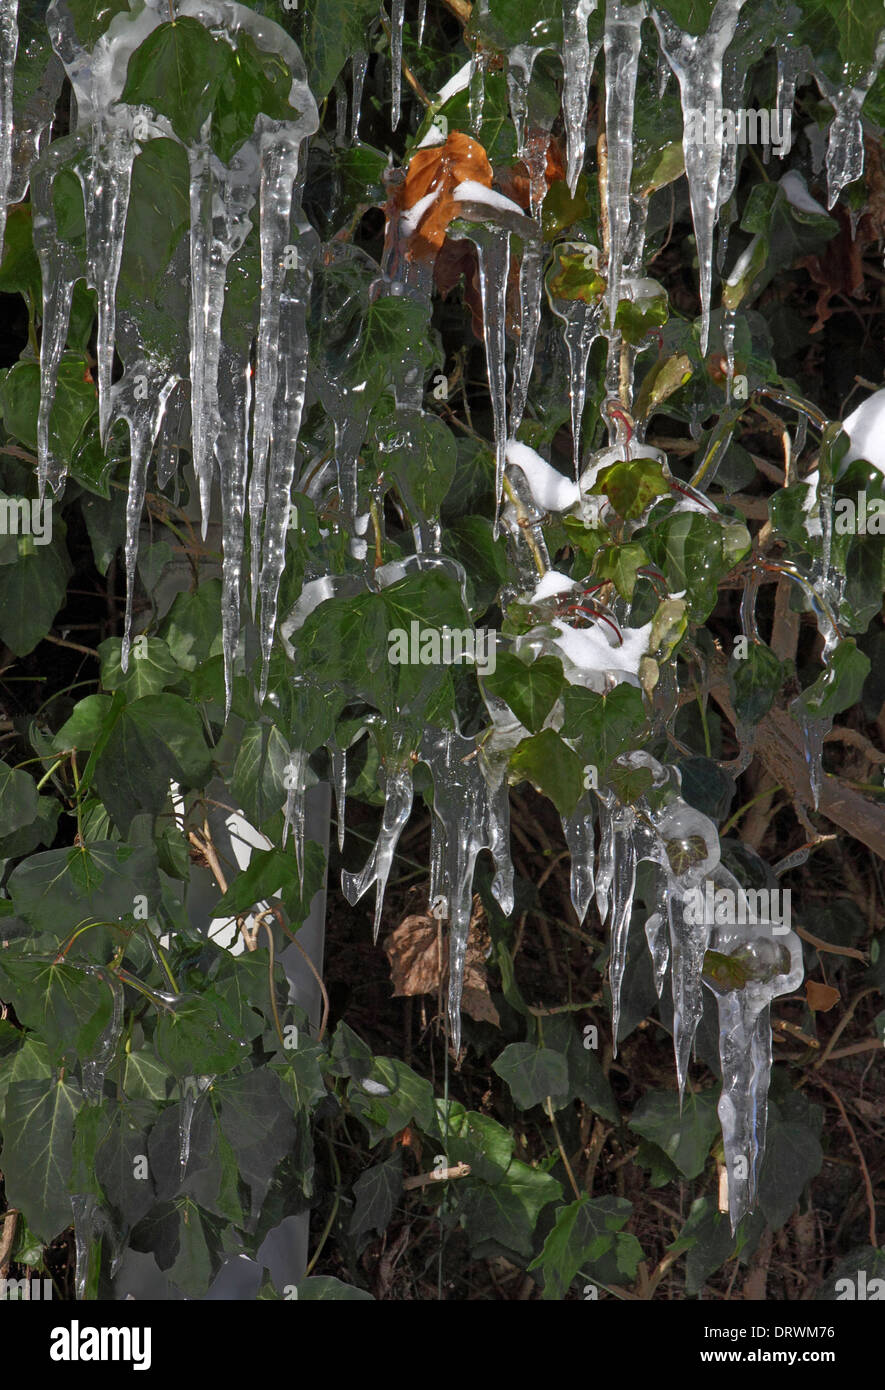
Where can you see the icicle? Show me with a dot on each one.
(697, 63)
(288, 409)
(520, 61)
(577, 65)
(493, 252)
(8, 50)
(623, 887)
(398, 795)
(754, 964)
(691, 845)
(60, 273)
(338, 759)
(478, 64)
(580, 331)
(469, 816)
(143, 409)
(622, 43)
(397, 16)
(845, 152)
(578, 831)
(605, 871)
(220, 201)
(657, 930)
(359, 67)
(96, 1066)
(232, 452)
(531, 287)
(792, 64)
(814, 732)
(422, 16)
(86, 1211)
(286, 268)
(106, 180)
(192, 1087)
(295, 781)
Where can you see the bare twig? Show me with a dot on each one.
(459, 1170)
(868, 1186)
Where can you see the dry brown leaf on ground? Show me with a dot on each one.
(418, 953)
(433, 175)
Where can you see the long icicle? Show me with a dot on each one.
(577, 64)
(8, 50)
(697, 63)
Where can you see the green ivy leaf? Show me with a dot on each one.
(549, 764)
(619, 563)
(532, 1073)
(685, 1137)
(37, 1165)
(583, 1232)
(530, 691)
(178, 71)
(151, 667)
(377, 1192)
(754, 682)
(19, 799)
(194, 1039)
(67, 1008)
(506, 1213)
(839, 686)
(630, 487)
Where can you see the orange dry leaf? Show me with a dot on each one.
(515, 182)
(418, 953)
(433, 175)
(821, 998)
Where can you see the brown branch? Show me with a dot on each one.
(868, 1186)
(460, 1170)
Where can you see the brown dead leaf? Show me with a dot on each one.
(515, 182)
(418, 953)
(821, 998)
(433, 174)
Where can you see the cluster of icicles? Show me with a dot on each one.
(245, 419)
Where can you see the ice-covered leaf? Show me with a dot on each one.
(630, 487)
(839, 686)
